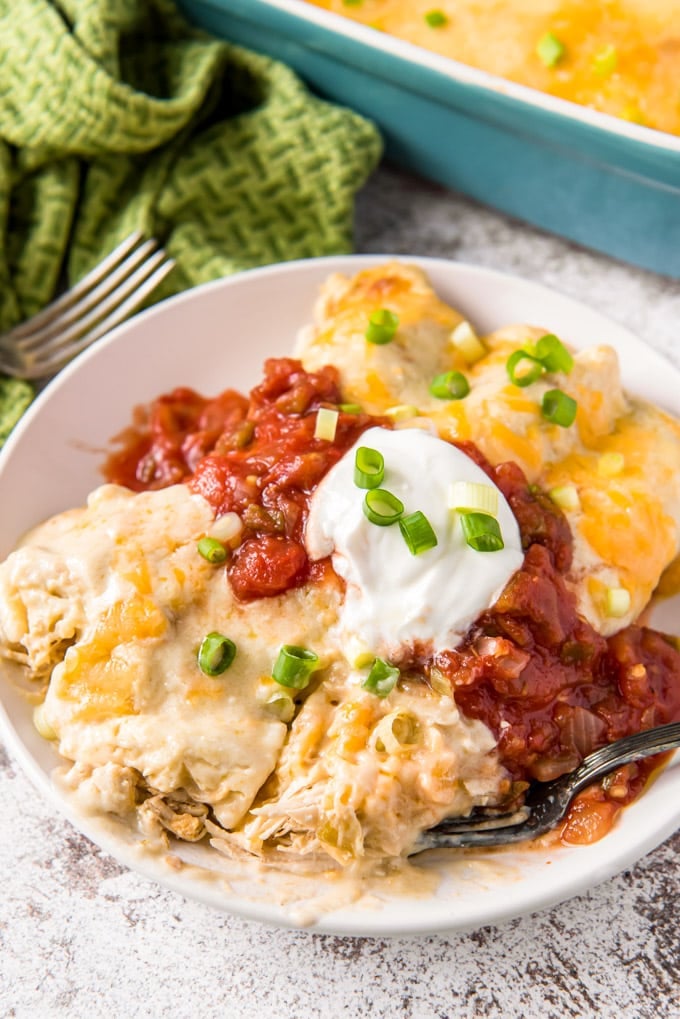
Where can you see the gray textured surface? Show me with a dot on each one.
(82, 937)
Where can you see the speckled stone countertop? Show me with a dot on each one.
(82, 937)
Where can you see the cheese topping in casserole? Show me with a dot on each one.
(619, 57)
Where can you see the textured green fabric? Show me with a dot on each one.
(116, 115)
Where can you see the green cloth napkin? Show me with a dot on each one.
(117, 115)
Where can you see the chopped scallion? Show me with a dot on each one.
(610, 464)
(566, 497)
(381, 507)
(559, 408)
(550, 49)
(553, 354)
(473, 497)
(436, 19)
(523, 368)
(467, 343)
(294, 666)
(618, 602)
(326, 423)
(216, 654)
(350, 408)
(382, 678)
(212, 550)
(382, 326)
(369, 467)
(450, 386)
(401, 412)
(482, 532)
(418, 532)
(605, 60)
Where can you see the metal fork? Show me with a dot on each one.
(546, 803)
(40, 346)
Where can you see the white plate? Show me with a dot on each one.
(215, 337)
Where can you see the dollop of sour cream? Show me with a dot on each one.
(395, 598)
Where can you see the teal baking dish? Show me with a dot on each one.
(605, 183)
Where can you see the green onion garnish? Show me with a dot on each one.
(350, 408)
(553, 354)
(382, 508)
(294, 666)
(382, 678)
(618, 602)
(550, 49)
(473, 497)
(369, 467)
(450, 386)
(436, 19)
(523, 368)
(467, 343)
(382, 325)
(212, 550)
(482, 532)
(216, 654)
(418, 532)
(566, 497)
(605, 60)
(326, 424)
(558, 408)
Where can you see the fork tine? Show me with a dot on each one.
(76, 292)
(58, 339)
(59, 355)
(91, 300)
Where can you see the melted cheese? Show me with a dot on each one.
(620, 56)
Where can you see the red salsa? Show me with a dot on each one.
(549, 687)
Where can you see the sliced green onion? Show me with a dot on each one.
(226, 528)
(294, 666)
(553, 354)
(352, 3)
(606, 60)
(212, 550)
(523, 368)
(381, 507)
(566, 497)
(351, 408)
(382, 325)
(278, 701)
(357, 653)
(559, 408)
(216, 654)
(436, 19)
(467, 343)
(450, 386)
(610, 464)
(326, 423)
(382, 678)
(402, 412)
(473, 497)
(618, 602)
(482, 532)
(418, 532)
(550, 49)
(369, 467)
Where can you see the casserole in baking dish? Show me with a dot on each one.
(603, 181)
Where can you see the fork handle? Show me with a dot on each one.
(624, 751)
